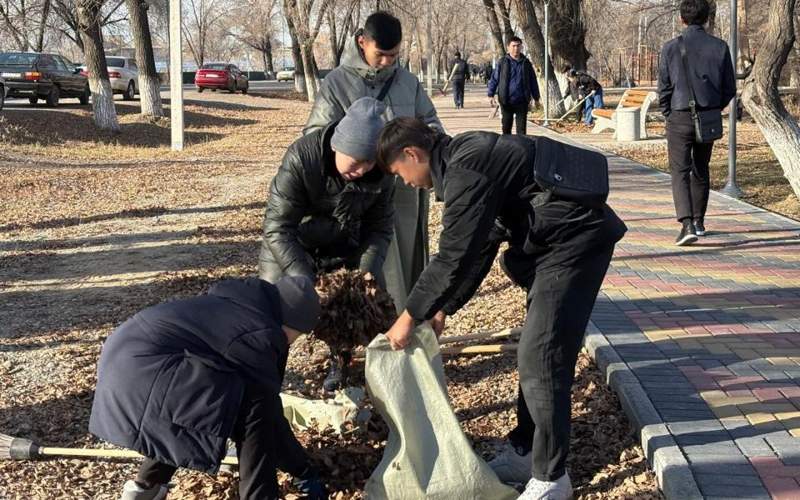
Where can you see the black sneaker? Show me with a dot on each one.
(337, 374)
(687, 236)
(699, 227)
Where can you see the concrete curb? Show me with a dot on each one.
(665, 457)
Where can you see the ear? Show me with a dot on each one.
(360, 41)
(411, 153)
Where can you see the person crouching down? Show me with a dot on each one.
(178, 379)
(329, 207)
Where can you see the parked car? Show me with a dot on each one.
(286, 74)
(221, 76)
(123, 74)
(42, 76)
(2, 93)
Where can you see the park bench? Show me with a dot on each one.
(606, 118)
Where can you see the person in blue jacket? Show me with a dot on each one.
(514, 83)
(178, 379)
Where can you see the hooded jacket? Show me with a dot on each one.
(313, 212)
(354, 78)
(170, 380)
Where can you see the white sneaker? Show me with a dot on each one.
(560, 489)
(132, 491)
(511, 467)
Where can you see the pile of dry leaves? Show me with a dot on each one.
(354, 309)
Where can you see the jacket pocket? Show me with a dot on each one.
(203, 396)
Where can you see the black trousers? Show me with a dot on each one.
(264, 443)
(458, 93)
(560, 303)
(509, 113)
(688, 164)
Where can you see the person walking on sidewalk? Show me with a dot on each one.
(514, 83)
(329, 208)
(711, 83)
(369, 67)
(581, 85)
(178, 379)
(558, 250)
(458, 78)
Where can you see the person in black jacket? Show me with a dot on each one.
(178, 379)
(458, 78)
(329, 208)
(713, 80)
(514, 83)
(558, 250)
(581, 85)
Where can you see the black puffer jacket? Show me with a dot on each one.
(487, 185)
(315, 216)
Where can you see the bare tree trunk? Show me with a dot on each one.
(269, 65)
(42, 26)
(568, 33)
(761, 97)
(105, 114)
(149, 83)
(529, 24)
(297, 57)
(307, 52)
(505, 15)
(494, 27)
(712, 16)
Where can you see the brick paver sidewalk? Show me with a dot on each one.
(711, 332)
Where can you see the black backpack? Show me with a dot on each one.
(571, 173)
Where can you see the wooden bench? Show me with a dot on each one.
(606, 118)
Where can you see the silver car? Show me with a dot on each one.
(123, 74)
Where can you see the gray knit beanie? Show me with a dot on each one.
(357, 133)
(300, 306)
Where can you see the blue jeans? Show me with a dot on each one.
(594, 102)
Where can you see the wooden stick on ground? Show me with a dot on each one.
(508, 332)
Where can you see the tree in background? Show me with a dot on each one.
(254, 26)
(201, 21)
(494, 28)
(307, 22)
(105, 114)
(149, 83)
(343, 19)
(760, 95)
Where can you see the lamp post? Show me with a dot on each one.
(175, 75)
(546, 65)
(429, 49)
(731, 189)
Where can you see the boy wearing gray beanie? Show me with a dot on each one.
(329, 207)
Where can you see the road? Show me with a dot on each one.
(189, 90)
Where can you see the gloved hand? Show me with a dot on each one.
(311, 485)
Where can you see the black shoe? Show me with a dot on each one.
(337, 374)
(687, 236)
(699, 227)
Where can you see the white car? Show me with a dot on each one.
(286, 74)
(123, 74)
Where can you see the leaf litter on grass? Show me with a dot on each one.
(87, 242)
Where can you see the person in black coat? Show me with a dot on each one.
(458, 78)
(581, 85)
(329, 208)
(713, 80)
(178, 379)
(559, 251)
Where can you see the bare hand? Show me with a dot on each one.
(492, 102)
(437, 323)
(399, 334)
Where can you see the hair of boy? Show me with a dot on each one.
(695, 11)
(514, 39)
(402, 133)
(384, 29)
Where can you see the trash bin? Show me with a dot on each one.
(628, 124)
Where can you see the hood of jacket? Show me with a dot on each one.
(353, 59)
(252, 293)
